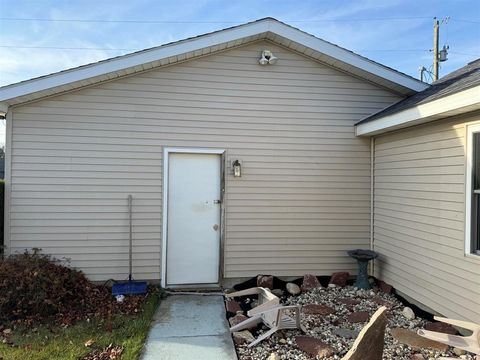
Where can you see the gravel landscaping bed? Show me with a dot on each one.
(335, 315)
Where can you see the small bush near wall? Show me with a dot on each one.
(35, 287)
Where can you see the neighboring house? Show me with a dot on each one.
(426, 194)
(168, 124)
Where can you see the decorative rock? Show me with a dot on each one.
(232, 306)
(310, 282)
(441, 327)
(243, 337)
(370, 342)
(314, 347)
(413, 340)
(318, 309)
(384, 287)
(277, 292)
(293, 289)
(417, 357)
(237, 319)
(459, 352)
(350, 303)
(408, 313)
(265, 281)
(339, 278)
(346, 333)
(378, 300)
(273, 356)
(358, 317)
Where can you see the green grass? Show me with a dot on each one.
(52, 342)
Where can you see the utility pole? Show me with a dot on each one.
(436, 26)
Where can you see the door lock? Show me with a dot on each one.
(215, 227)
(217, 201)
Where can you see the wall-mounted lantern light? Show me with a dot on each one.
(237, 168)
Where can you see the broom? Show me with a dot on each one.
(129, 287)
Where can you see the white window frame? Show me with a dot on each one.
(471, 129)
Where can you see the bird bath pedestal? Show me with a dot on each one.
(362, 257)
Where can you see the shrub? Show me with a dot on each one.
(35, 286)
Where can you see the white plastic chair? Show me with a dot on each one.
(468, 343)
(266, 299)
(269, 312)
(276, 318)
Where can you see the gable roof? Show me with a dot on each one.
(267, 28)
(457, 92)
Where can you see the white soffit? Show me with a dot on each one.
(268, 28)
(459, 103)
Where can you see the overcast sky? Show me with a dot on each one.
(38, 37)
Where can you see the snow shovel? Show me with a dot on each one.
(129, 287)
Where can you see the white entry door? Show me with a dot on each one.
(193, 226)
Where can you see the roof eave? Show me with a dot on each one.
(131, 63)
(459, 103)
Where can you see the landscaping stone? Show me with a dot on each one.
(346, 333)
(265, 281)
(273, 356)
(415, 341)
(339, 278)
(441, 327)
(277, 292)
(384, 287)
(310, 282)
(318, 309)
(233, 307)
(459, 352)
(417, 357)
(408, 313)
(293, 289)
(333, 330)
(237, 319)
(314, 347)
(370, 342)
(358, 317)
(378, 300)
(350, 303)
(242, 337)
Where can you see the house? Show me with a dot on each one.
(239, 150)
(426, 156)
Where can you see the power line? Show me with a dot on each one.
(137, 49)
(138, 21)
(207, 22)
(462, 53)
(65, 48)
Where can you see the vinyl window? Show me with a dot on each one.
(472, 230)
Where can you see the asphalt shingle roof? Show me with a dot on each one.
(458, 80)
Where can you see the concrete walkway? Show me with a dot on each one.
(190, 327)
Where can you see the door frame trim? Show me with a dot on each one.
(166, 154)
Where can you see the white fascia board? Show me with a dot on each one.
(469, 100)
(3, 108)
(346, 56)
(129, 61)
(223, 36)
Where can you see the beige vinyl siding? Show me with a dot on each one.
(302, 200)
(419, 217)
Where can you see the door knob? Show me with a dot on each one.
(215, 227)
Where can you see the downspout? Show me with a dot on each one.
(372, 197)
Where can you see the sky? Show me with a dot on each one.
(38, 37)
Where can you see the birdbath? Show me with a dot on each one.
(362, 257)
